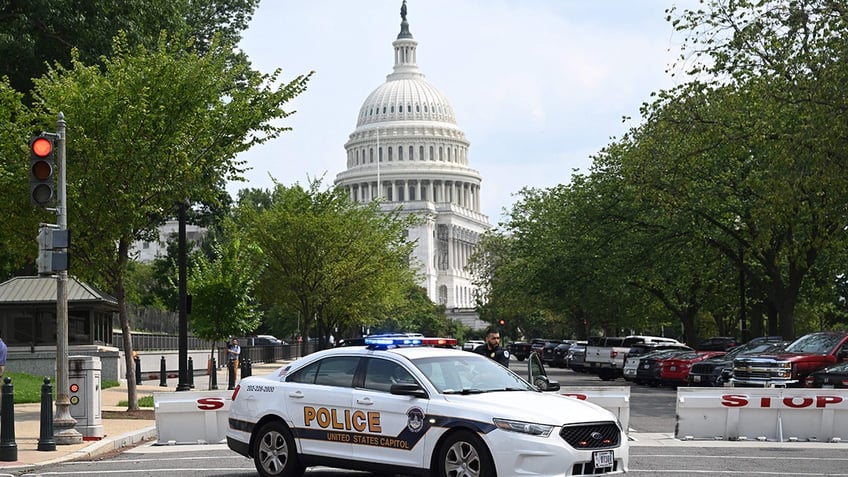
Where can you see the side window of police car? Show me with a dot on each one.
(337, 371)
(381, 374)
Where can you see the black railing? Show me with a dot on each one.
(143, 341)
(270, 353)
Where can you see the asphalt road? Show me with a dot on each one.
(651, 410)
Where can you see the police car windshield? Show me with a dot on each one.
(469, 374)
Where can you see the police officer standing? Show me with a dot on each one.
(492, 348)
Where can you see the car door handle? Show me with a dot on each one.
(296, 394)
(365, 401)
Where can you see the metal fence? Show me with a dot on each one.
(270, 353)
(145, 341)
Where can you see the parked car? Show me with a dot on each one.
(262, 340)
(835, 376)
(648, 371)
(560, 354)
(470, 345)
(576, 359)
(674, 371)
(519, 349)
(716, 371)
(719, 343)
(547, 353)
(791, 366)
(632, 365)
(537, 344)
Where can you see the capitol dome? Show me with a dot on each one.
(408, 152)
(408, 98)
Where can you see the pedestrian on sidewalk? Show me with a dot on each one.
(233, 351)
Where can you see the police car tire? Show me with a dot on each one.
(274, 453)
(464, 450)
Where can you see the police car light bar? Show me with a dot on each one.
(386, 342)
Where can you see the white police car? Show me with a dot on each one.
(417, 410)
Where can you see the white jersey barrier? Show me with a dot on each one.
(615, 399)
(770, 414)
(192, 417)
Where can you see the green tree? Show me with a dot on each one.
(336, 263)
(20, 219)
(38, 33)
(148, 130)
(222, 290)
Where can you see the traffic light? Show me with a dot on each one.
(41, 154)
(502, 322)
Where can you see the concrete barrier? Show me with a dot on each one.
(770, 414)
(192, 417)
(616, 399)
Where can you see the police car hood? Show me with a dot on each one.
(543, 408)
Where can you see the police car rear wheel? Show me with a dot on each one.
(464, 455)
(274, 452)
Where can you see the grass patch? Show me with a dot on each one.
(27, 388)
(144, 401)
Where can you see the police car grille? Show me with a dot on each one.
(595, 435)
(588, 468)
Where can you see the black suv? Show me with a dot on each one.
(716, 371)
(560, 354)
(719, 343)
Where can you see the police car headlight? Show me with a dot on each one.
(524, 427)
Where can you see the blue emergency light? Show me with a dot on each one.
(386, 342)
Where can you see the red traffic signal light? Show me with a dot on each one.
(41, 155)
(502, 322)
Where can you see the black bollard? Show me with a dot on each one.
(213, 376)
(231, 375)
(8, 448)
(163, 373)
(46, 442)
(246, 368)
(190, 373)
(137, 360)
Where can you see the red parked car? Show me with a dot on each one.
(675, 371)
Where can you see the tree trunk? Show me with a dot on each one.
(121, 296)
(132, 391)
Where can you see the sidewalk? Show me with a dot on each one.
(118, 433)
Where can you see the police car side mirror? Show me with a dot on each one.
(407, 389)
(544, 384)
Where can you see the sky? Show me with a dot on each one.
(538, 86)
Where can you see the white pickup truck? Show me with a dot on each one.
(605, 355)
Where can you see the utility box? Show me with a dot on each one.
(84, 394)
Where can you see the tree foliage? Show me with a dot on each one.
(148, 130)
(338, 264)
(39, 33)
(733, 185)
(222, 290)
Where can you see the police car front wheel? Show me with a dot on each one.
(464, 455)
(274, 452)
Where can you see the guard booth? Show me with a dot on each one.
(84, 394)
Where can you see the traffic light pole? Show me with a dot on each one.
(63, 423)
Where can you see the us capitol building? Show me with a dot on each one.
(408, 151)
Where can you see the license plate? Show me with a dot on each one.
(827, 386)
(696, 379)
(603, 459)
(672, 368)
(646, 366)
